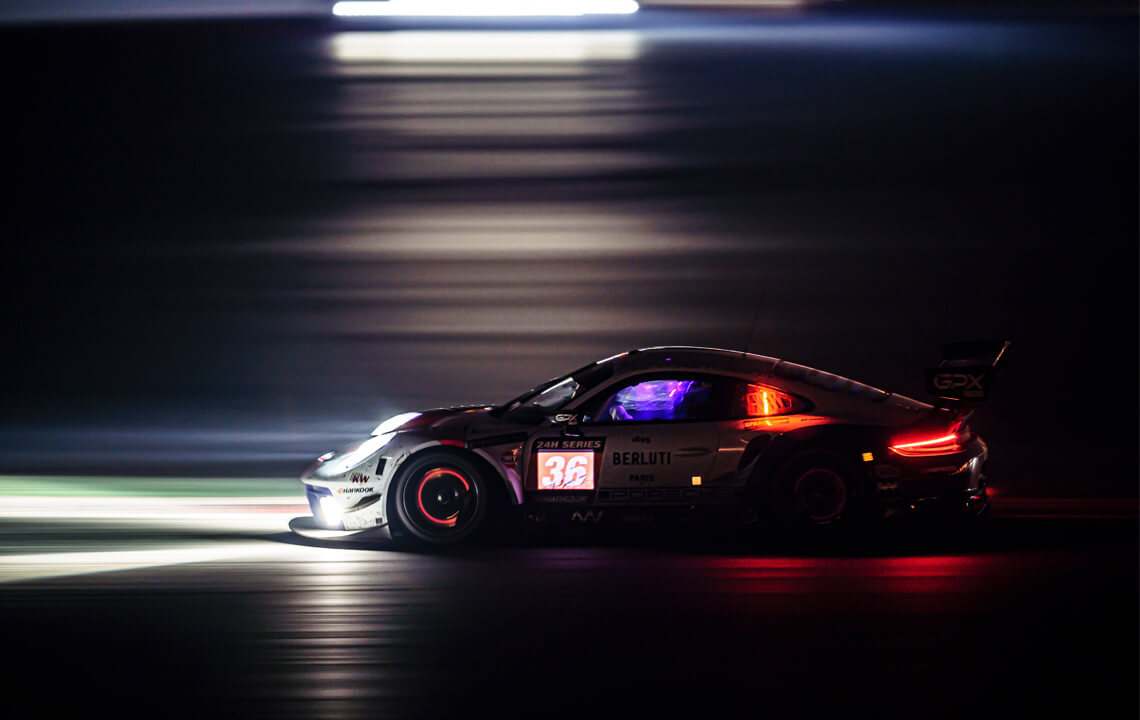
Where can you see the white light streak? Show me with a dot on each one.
(255, 515)
(484, 8)
(40, 566)
(474, 46)
(37, 566)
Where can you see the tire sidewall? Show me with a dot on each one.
(787, 511)
(409, 520)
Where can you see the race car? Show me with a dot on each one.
(664, 431)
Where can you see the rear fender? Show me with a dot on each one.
(849, 441)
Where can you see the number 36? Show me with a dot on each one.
(563, 473)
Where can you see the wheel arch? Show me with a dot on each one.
(496, 482)
(848, 441)
(494, 471)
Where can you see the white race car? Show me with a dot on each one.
(665, 431)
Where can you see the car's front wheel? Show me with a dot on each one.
(441, 498)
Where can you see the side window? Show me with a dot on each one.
(751, 400)
(659, 399)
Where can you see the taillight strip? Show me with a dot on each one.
(945, 445)
(953, 437)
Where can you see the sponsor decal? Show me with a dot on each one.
(638, 517)
(353, 490)
(960, 382)
(641, 478)
(642, 439)
(589, 516)
(971, 385)
(358, 477)
(636, 457)
(570, 444)
(658, 494)
(560, 498)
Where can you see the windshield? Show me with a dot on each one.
(553, 395)
(556, 395)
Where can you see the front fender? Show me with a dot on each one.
(485, 458)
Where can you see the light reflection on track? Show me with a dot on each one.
(261, 623)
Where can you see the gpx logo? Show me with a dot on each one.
(969, 384)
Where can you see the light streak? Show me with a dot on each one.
(484, 8)
(477, 46)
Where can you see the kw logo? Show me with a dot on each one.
(969, 384)
(587, 517)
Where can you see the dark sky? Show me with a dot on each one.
(259, 238)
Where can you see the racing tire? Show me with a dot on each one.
(440, 498)
(815, 491)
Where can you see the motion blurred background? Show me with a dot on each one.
(238, 235)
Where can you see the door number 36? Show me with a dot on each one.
(565, 471)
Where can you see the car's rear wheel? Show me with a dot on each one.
(815, 489)
(441, 499)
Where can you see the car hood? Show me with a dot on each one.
(462, 424)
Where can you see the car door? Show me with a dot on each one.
(659, 430)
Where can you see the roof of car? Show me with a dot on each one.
(738, 361)
(704, 357)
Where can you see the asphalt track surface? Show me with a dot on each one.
(206, 607)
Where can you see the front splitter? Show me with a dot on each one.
(306, 526)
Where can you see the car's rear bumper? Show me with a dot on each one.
(974, 503)
(948, 485)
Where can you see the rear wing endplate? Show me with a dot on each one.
(967, 369)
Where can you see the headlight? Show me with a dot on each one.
(393, 423)
(331, 514)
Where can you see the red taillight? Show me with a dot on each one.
(942, 445)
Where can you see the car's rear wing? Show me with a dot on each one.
(966, 371)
